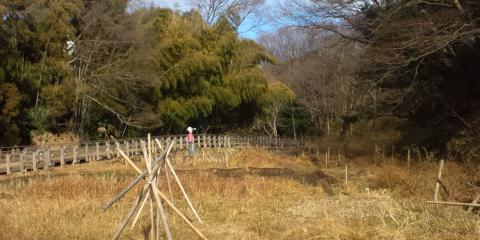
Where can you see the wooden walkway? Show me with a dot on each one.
(34, 158)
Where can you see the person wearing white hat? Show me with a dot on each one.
(191, 141)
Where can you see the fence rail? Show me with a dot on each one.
(25, 158)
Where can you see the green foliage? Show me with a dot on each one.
(203, 70)
(39, 118)
(9, 109)
(143, 70)
(295, 120)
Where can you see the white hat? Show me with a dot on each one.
(190, 129)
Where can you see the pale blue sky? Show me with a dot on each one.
(244, 30)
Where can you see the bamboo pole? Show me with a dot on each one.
(454, 203)
(183, 191)
(145, 155)
(128, 160)
(168, 183)
(160, 208)
(127, 217)
(153, 223)
(134, 182)
(167, 161)
(180, 214)
(140, 209)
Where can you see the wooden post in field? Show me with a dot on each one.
(97, 151)
(408, 158)
(62, 156)
(326, 159)
(328, 156)
(34, 160)
(439, 176)
(346, 174)
(475, 201)
(209, 141)
(181, 143)
(9, 167)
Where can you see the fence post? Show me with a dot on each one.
(74, 154)
(49, 158)
(176, 139)
(86, 153)
(34, 160)
(97, 151)
(181, 143)
(127, 148)
(135, 144)
(204, 141)
(62, 156)
(107, 149)
(7, 159)
(22, 161)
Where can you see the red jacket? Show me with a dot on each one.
(190, 138)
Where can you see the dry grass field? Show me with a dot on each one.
(262, 195)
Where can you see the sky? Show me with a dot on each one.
(244, 30)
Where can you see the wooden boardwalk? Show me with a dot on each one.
(34, 158)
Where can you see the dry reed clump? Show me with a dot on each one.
(258, 157)
(49, 138)
(418, 182)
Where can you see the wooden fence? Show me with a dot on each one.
(25, 158)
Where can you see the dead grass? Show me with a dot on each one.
(381, 202)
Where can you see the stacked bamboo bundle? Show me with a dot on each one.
(151, 192)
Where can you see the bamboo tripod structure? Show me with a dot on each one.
(152, 194)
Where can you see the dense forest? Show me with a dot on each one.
(402, 70)
(79, 65)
